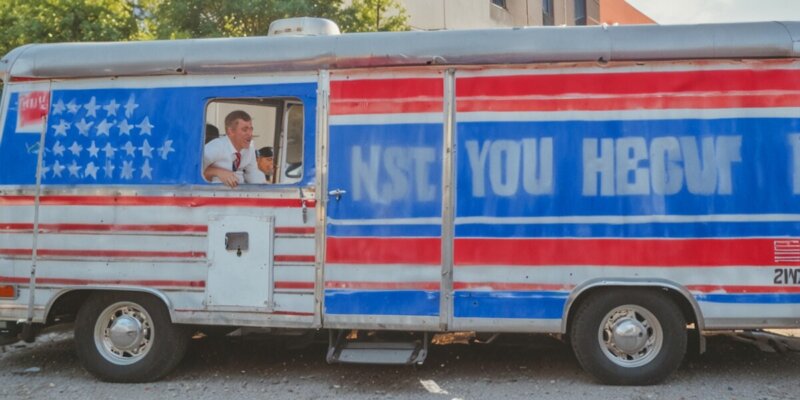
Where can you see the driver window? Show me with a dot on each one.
(268, 134)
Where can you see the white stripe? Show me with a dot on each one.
(385, 221)
(624, 67)
(294, 302)
(572, 275)
(295, 274)
(629, 219)
(107, 242)
(387, 119)
(382, 273)
(181, 81)
(145, 215)
(629, 115)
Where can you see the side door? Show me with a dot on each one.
(261, 248)
(383, 259)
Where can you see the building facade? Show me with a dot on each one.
(472, 14)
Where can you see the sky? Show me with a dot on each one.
(701, 11)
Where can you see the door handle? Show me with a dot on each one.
(337, 193)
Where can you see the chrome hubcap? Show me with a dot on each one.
(123, 333)
(630, 336)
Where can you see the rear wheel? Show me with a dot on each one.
(629, 337)
(128, 337)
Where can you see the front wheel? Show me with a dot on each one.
(629, 336)
(128, 337)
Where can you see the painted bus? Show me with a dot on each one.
(626, 187)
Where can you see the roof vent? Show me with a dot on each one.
(303, 26)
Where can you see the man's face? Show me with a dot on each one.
(265, 165)
(240, 134)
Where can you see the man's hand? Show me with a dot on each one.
(224, 176)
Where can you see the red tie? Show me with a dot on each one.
(237, 161)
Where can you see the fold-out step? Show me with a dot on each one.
(342, 350)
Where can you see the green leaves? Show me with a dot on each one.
(48, 21)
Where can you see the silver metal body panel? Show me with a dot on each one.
(519, 45)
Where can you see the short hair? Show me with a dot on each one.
(265, 152)
(234, 115)
(211, 132)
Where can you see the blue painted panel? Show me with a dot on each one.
(388, 171)
(400, 302)
(132, 136)
(669, 167)
(502, 304)
(759, 298)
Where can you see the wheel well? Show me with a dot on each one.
(679, 299)
(65, 307)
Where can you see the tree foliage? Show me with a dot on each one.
(213, 18)
(373, 16)
(47, 21)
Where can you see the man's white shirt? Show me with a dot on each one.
(221, 153)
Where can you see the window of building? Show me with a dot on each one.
(580, 12)
(500, 3)
(548, 17)
(276, 149)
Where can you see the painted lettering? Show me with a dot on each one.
(664, 166)
(511, 164)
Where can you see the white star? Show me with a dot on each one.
(130, 106)
(74, 169)
(129, 148)
(61, 128)
(145, 128)
(58, 149)
(45, 170)
(91, 170)
(166, 149)
(147, 150)
(103, 128)
(111, 108)
(109, 149)
(73, 107)
(59, 107)
(93, 150)
(57, 169)
(91, 107)
(109, 169)
(124, 127)
(127, 170)
(76, 149)
(83, 127)
(147, 172)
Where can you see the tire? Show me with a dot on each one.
(128, 337)
(629, 336)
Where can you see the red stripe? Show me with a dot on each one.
(70, 281)
(103, 253)
(293, 285)
(421, 251)
(387, 96)
(293, 258)
(383, 285)
(294, 230)
(55, 228)
(743, 289)
(385, 107)
(511, 286)
(17, 79)
(294, 313)
(654, 102)
(630, 83)
(401, 88)
(149, 201)
(616, 252)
